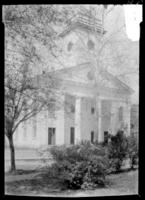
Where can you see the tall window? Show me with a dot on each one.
(69, 46)
(120, 114)
(34, 126)
(90, 44)
(72, 135)
(106, 137)
(72, 108)
(16, 134)
(92, 136)
(24, 129)
(51, 136)
(25, 122)
(92, 110)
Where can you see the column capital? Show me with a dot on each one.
(78, 97)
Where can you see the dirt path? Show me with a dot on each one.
(12, 178)
(120, 184)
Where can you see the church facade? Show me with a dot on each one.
(88, 112)
(94, 102)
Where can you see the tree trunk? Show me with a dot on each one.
(12, 152)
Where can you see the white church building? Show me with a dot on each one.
(99, 103)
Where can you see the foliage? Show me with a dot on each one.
(80, 166)
(85, 165)
(25, 26)
(132, 150)
(117, 150)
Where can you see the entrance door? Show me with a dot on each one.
(106, 117)
(92, 136)
(106, 137)
(51, 136)
(72, 135)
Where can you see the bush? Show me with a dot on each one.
(117, 150)
(96, 172)
(80, 166)
(86, 165)
(133, 150)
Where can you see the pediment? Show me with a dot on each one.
(87, 74)
(80, 73)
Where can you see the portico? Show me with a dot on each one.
(88, 111)
(107, 121)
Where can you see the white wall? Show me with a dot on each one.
(27, 139)
(69, 117)
(64, 120)
(89, 120)
(106, 115)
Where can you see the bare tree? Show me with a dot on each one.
(25, 96)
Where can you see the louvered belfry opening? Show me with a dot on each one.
(87, 19)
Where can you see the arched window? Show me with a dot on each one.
(120, 114)
(69, 46)
(90, 75)
(90, 44)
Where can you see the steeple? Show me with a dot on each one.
(80, 38)
(86, 19)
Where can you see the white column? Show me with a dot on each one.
(35, 126)
(126, 117)
(113, 117)
(78, 120)
(21, 134)
(99, 117)
(60, 122)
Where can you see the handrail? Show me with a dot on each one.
(96, 20)
(85, 22)
(86, 19)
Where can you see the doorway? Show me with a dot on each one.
(106, 118)
(51, 136)
(72, 135)
(92, 136)
(106, 137)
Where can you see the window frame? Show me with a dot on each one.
(92, 110)
(51, 130)
(72, 132)
(120, 113)
(90, 45)
(69, 46)
(92, 136)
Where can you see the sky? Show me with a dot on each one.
(133, 17)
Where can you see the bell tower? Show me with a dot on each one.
(81, 36)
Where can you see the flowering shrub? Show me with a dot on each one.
(133, 150)
(85, 166)
(117, 150)
(80, 166)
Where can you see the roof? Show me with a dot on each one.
(84, 21)
(73, 68)
(75, 71)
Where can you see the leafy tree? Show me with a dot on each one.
(133, 150)
(117, 150)
(27, 29)
(24, 96)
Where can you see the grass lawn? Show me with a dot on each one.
(36, 183)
